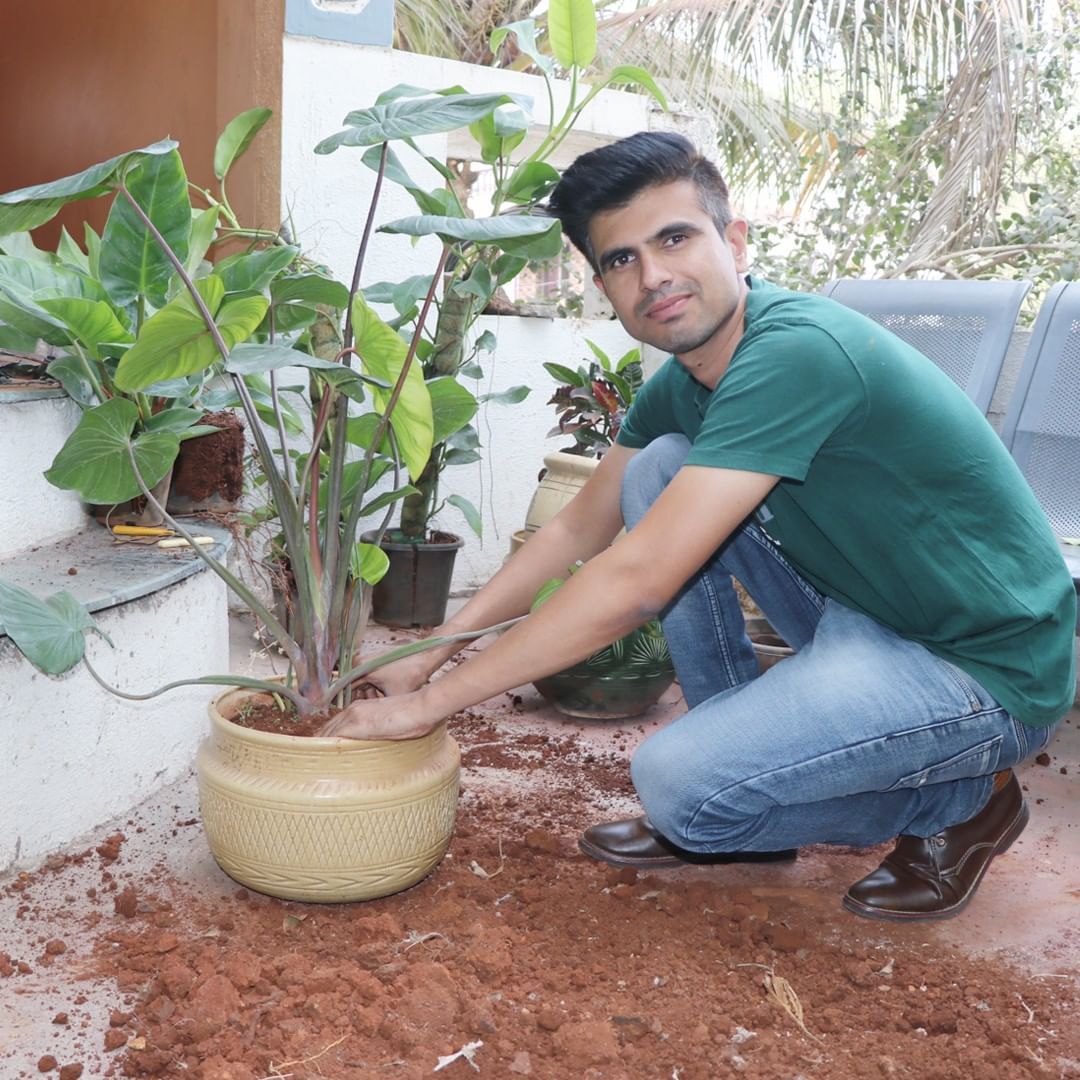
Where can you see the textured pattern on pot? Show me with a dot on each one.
(324, 820)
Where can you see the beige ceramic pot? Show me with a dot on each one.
(565, 475)
(324, 820)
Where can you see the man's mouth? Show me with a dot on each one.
(668, 307)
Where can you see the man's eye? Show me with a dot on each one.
(620, 261)
(675, 238)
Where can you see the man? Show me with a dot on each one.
(869, 510)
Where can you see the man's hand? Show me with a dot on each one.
(407, 716)
(399, 676)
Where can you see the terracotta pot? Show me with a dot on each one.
(324, 820)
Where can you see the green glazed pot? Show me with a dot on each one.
(621, 680)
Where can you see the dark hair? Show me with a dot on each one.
(610, 177)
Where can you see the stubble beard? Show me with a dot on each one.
(680, 341)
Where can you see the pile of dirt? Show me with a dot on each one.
(518, 957)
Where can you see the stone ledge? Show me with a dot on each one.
(107, 573)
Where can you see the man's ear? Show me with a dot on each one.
(598, 281)
(735, 235)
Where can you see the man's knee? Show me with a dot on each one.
(649, 471)
(658, 770)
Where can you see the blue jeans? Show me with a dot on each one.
(861, 736)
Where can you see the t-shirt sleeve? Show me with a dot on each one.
(651, 414)
(792, 389)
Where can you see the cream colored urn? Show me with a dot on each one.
(564, 476)
(324, 820)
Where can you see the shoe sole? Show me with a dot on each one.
(1008, 838)
(673, 862)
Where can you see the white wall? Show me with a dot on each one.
(74, 755)
(32, 511)
(325, 197)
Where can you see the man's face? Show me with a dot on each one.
(675, 282)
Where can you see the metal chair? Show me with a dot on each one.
(962, 326)
(1042, 427)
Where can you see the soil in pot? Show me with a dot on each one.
(209, 471)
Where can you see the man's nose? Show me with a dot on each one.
(655, 273)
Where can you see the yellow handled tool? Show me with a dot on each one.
(141, 530)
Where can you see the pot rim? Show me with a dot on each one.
(339, 744)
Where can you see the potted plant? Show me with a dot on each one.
(590, 403)
(620, 680)
(306, 818)
(88, 307)
(415, 589)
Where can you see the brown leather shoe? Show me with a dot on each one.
(634, 842)
(935, 877)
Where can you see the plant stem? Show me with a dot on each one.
(415, 647)
(362, 252)
(206, 680)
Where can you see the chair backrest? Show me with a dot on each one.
(963, 326)
(1042, 427)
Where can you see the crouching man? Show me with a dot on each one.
(867, 507)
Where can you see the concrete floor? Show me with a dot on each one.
(1027, 910)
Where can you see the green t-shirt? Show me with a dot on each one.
(896, 497)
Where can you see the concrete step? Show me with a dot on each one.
(74, 754)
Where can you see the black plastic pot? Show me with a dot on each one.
(416, 588)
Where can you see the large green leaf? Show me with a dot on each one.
(511, 232)
(499, 132)
(203, 231)
(71, 372)
(525, 32)
(636, 76)
(93, 323)
(472, 515)
(440, 201)
(70, 253)
(309, 288)
(253, 359)
(514, 396)
(47, 279)
(94, 461)
(236, 138)
(252, 271)
(176, 341)
(132, 263)
(530, 181)
(452, 406)
(572, 32)
(19, 312)
(408, 118)
(382, 355)
(32, 206)
(369, 562)
(51, 633)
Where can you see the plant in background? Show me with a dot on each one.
(226, 320)
(474, 270)
(90, 307)
(592, 401)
